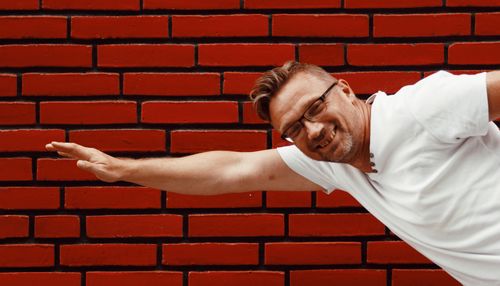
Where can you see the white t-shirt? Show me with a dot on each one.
(438, 180)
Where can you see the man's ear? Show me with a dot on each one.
(346, 89)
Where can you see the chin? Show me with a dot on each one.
(342, 153)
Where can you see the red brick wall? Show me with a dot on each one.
(170, 77)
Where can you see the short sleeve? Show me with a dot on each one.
(318, 172)
(450, 107)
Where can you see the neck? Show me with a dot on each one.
(362, 161)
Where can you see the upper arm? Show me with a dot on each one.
(265, 170)
(493, 89)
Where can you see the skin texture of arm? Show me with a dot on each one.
(206, 173)
(493, 89)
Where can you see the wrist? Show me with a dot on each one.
(125, 168)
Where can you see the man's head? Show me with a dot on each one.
(329, 127)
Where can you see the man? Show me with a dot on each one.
(425, 162)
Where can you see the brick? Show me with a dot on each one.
(128, 140)
(29, 198)
(320, 25)
(57, 226)
(70, 84)
(238, 225)
(145, 55)
(290, 199)
(114, 226)
(234, 200)
(337, 199)
(237, 278)
(211, 254)
(371, 82)
(338, 225)
(250, 114)
(421, 25)
(112, 198)
(48, 169)
(486, 23)
(171, 84)
(389, 252)
(14, 226)
(417, 277)
(8, 85)
(109, 254)
(17, 113)
(239, 82)
(474, 53)
(255, 54)
(191, 4)
(28, 139)
(19, 5)
(26, 255)
(291, 4)
(367, 277)
(15, 169)
(134, 278)
(83, 112)
(46, 55)
(91, 5)
(39, 27)
(187, 141)
(312, 253)
(189, 112)
(109, 27)
(40, 278)
(395, 54)
(391, 3)
(472, 3)
(322, 54)
(220, 26)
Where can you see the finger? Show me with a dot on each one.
(73, 149)
(50, 147)
(65, 154)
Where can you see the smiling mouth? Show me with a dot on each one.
(329, 139)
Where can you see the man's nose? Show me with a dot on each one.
(313, 129)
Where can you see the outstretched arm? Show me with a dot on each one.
(493, 89)
(201, 174)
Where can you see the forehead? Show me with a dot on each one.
(294, 97)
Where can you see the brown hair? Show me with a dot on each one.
(271, 81)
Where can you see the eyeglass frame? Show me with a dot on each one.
(322, 98)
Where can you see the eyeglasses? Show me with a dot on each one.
(312, 113)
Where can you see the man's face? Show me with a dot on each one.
(337, 133)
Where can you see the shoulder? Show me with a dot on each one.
(449, 106)
(323, 173)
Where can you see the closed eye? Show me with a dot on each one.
(294, 130)
(315, 109)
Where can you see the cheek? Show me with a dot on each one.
(346, 125)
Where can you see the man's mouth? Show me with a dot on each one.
(328, 138)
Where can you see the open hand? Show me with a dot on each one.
(103, 166)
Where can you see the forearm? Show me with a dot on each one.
(200, 174)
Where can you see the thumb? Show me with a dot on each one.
(84, 165)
